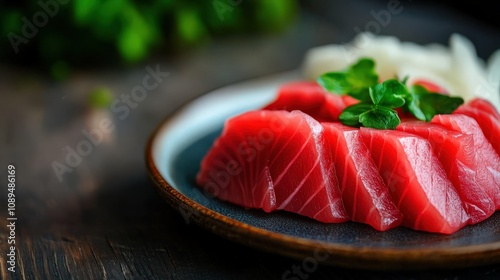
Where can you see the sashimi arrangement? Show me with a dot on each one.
(351, 146)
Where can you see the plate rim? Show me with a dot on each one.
(302, 248)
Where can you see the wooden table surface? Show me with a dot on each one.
(104, 219)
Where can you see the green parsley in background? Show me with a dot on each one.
(58, 35)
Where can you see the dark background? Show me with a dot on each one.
(420, 21)
(105, 219)
(82, 46)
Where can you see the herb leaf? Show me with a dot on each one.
(390, 93)
(370, 115)
(378, 100)
(335, 82)
(431, 104)
(380, 117)
(413, 106)
(350, 115)
(354, 81)
(362, 75)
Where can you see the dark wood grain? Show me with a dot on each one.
(105, 220)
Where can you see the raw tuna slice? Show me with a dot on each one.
(310, 98)
(488, 161)
(484, 105)
(487, 120)
(274, 160)
(349, 100)
(455, 151)
(430, 86)
(416, 180)
(365, 195)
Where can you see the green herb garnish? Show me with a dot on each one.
(355, 81)
(431, 103)
(378, 100)
(377, 111)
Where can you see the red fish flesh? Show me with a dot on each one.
(365, 195)
(416, 180)
(455, 151)
(486, 116)
(310, 98)
(488, 161)
(274, 160)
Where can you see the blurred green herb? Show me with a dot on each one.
(87, 32)
(100, 97)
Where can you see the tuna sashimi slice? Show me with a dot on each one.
(430, 86)
(487, 120)
(274, 160)
(488, 161)
(349, 100)
(455, 151)
(484, 105)
(416, 180)
(310, 98)
(365, 195)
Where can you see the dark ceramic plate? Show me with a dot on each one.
(173, 156)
